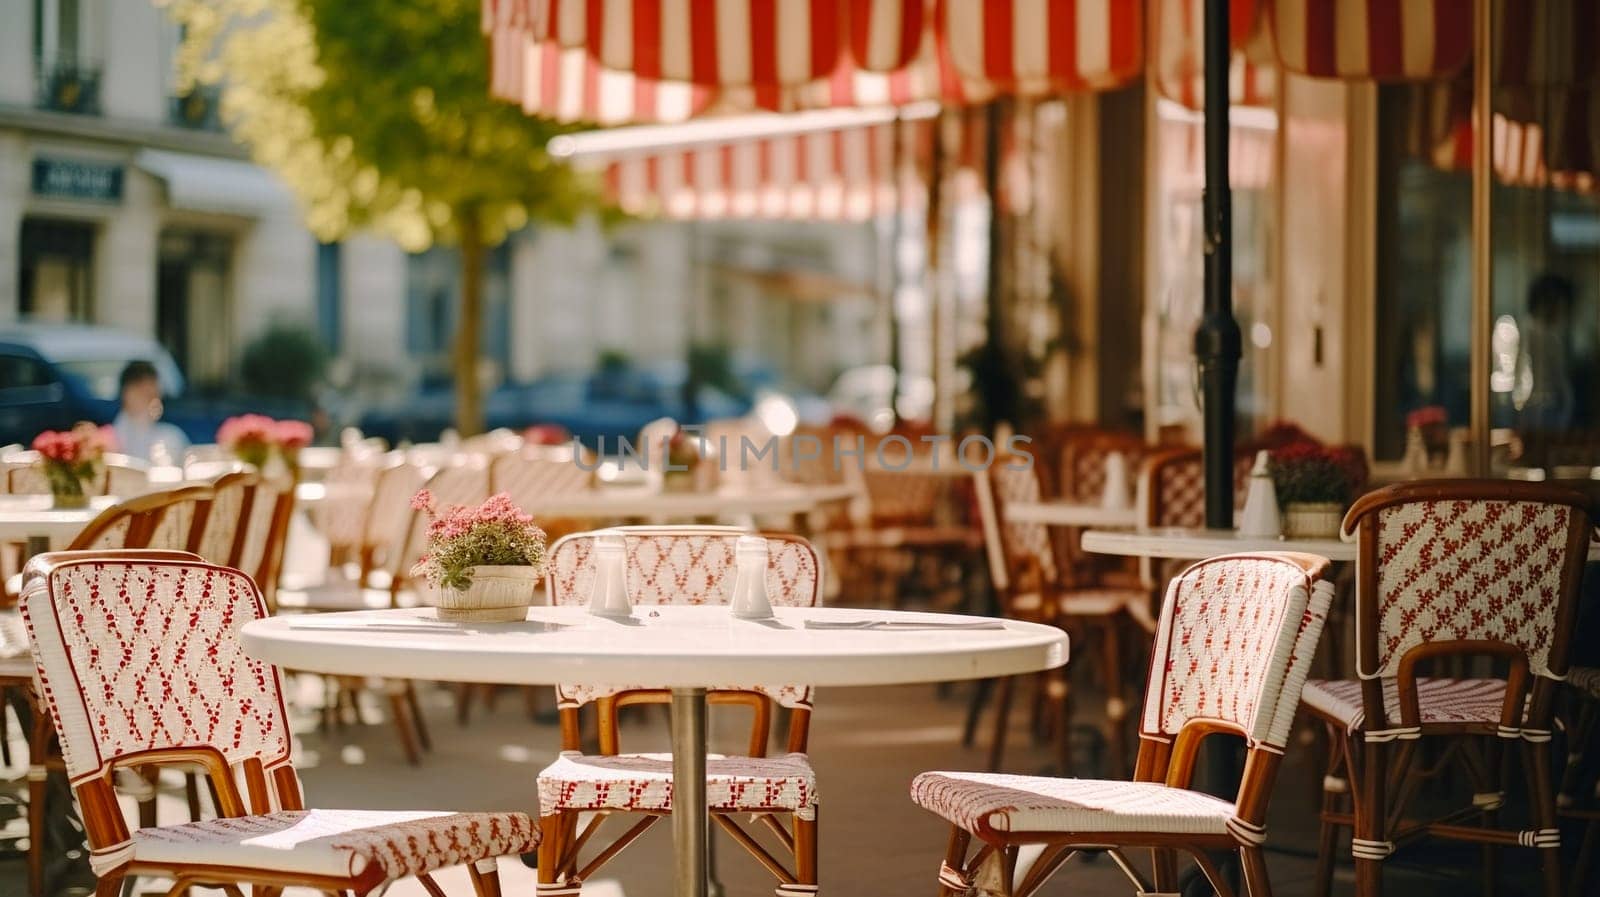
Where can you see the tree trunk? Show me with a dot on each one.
(469, 322)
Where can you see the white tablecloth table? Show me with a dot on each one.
(1071, 513)
(606, 502)
(685, 648)
(25, 517)
(1195, 543)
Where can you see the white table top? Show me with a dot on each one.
(1194, 543)
(647, 501)
(26, 516)
(663, 646)
(1070, 513)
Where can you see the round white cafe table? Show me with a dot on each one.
(1195, 543)
(1071, 513)
(27, 517)
(685, 648)
(651, 502)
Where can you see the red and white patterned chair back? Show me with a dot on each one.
(1234, 645)
(1024, 546)
(1467, 561)
(136, 654)
(126, 477)
(389, 518)
(538, 471)
(174, 519)
(684, 565)
(232, 496)
(1173, 488)
(1083, 463)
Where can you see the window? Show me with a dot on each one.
(55, 270)
(67, 59)
(1544, 321)
(22, 372)
(433, 300)
(330, 271)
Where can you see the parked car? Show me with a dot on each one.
(605, 404)
(54, 375)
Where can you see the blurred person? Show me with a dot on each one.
(140, 431)
(1545, 372)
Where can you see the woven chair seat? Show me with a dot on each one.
(1586, 680)
(338, 843)
(1013, 803)
(1441, 702)
(643, 783)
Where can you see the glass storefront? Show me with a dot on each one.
(56, 270)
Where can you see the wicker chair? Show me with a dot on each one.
(675, 565)
(212, 706)
(1034, 584)
(1448, 570)
(1272, 606)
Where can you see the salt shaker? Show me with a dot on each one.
(750, 584)
(1260, 517)
(609, 596)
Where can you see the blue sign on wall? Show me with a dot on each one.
(72, 179)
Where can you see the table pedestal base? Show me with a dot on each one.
(690, 822)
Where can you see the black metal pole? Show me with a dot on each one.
(1216, 341)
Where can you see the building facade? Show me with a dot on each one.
(124, 202)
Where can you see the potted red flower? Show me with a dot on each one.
(257, 439)
(71, 459)
(483, 563)
(1315, 484)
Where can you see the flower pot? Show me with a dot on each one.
(1312, 520)
(677, 481)
(497, 594)
(69, 500)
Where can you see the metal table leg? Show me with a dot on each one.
(690, 822)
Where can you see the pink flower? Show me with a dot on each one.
(422, 501)
(292, 435)
(246, 429)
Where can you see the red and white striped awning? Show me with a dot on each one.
(764, 44)
(1045, 47)
(1378, 40)
(1176, 53)
(832, 166)
(1053, 47)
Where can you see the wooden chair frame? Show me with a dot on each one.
(1381, 758)
(1169, 760)
(263, 792)
(562, 841)
(1014, 573)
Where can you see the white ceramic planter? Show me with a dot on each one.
(1312, 520)
(498, 594)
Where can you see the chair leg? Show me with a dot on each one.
(417, 721)
(485, 879)
(1586, 851)
(1333, 799)
(1370, 843)
(108, 885)
(1002, 722)
(952, 872)
(980, 698)
(400, 708)
(1542, 800)
(1116, 705)
(1493, 781)
(1254, 862)
(805, 851)
(552, 844)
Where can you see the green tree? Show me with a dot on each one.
(379, 117)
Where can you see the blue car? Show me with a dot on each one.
(55, 375)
